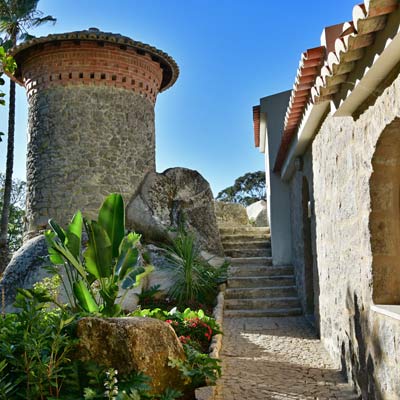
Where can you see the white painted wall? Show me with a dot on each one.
(278, 192)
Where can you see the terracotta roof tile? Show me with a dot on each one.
(324, 81)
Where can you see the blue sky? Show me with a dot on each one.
(230, 54)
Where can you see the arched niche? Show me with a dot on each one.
(384, 219)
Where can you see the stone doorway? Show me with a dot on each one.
(308, 253)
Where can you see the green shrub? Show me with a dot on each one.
(198, 369)
(193, 279)
(193, 327)
(35, 349)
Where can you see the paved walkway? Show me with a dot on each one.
(276, 359)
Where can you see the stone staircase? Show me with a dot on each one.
(255, 287)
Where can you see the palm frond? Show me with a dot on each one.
(18, 16)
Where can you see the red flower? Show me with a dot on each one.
(168, 321)
(184, 339)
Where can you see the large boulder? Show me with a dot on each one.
(133, 344)
(24, 269)
(258, 213)
(230, 214)
(166, 199)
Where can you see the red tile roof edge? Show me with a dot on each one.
(368, 18)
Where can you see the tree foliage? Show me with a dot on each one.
(17, 212)
(7, 64)
(16, 17)
(246, 190)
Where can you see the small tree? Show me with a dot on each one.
(246, 190)
(17, 213)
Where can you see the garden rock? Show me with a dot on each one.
(230, 214)
(24, 269)
(133, 344)
(161, 275)
(258, 213)
(165, 199)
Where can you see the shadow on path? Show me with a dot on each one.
(277, 358)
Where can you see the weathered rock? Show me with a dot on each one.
(161, 274)
(211, 259)
(133, 344)
(230, 214)
(258, 213)
(165, 199)
(24, 269)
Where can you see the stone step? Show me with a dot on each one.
(283, 312)
(245, 252)
(260, 292)
(262, 303)
(250, 260)
(256, 244)
(261, 281)
(260, 270)
(245, 237)
(243, 230)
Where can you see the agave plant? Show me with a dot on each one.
(94, 276)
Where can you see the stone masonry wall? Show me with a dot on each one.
(84, 143)
(365, 342)
(298, 240)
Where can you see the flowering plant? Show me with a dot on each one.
(191, 327)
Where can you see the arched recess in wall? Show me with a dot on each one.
(384, 221)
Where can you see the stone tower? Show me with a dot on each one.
(91, 131)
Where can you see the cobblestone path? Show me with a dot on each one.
(274, 359)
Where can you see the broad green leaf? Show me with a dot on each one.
(74, 235)
(112, 219)
(128, 256)
(134, 276)
(98, 255)
(54, 256)
(59, 253)
(84, 297)
(57, 230)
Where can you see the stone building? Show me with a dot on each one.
(332, 147)
(91, 132)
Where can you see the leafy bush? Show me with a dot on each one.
(106, 383)
(35, 349)
(110, 262)
(199, 369)
(147, 297)
(193, 327)
(193, 279)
